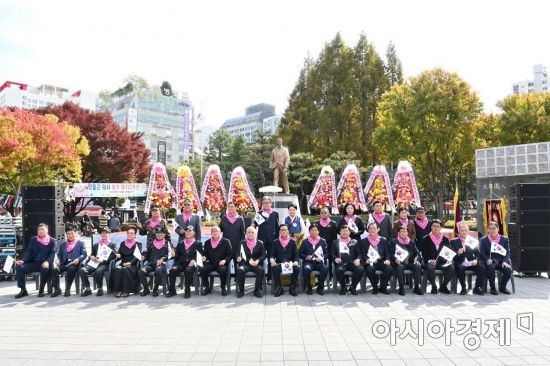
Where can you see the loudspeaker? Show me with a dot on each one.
(32, 206)
(530, 217)
(530, 190)
(51, 219)
(42, 193)
(530, 203)
(530, 247)
(531, 259)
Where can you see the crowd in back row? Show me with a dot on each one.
(381, 249)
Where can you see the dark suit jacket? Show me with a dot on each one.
(194, 221)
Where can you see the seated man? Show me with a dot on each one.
(405, 255)
(285, 253)
(98, 264)
(252, 261)
(380, 245)
(494, 250)
(312, 261)
(216, 256)
(184, 261)
(465, 254)
(432, 244)
(71, 253)
(37, 258)
(154, 260)
(346, 253)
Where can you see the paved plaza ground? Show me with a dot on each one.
(306, 330)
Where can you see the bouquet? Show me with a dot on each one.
(378, 188)
(324, 192)
(404, 186)
(186, 189)
(349, 189)
(213, 191)
(160, 192)
(240, 193)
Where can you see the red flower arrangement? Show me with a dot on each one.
(186, 189)
(350, 188)
(213, 190)
(324, 192)
(160, 192)
(240, 193)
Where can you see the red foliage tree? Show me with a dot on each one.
(116, 154)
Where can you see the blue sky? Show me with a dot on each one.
(228, 55)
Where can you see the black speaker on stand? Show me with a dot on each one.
(43, 204)
(529, 229)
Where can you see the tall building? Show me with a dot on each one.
(14, 94)
(539, 84)
(165, 119)
(251, 123)
(202, 134)
(271, 124)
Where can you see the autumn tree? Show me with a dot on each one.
(429, 121)
(116, 155)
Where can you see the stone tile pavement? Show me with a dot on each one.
(306, 330)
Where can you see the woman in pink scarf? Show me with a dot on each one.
(155, 222)
(250, 258)
(432, 244)
(403, 220)
(125, 274)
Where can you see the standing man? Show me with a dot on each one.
(383, 220)
(188, 218)
(422, 226)
(280, 160)
(268, 230)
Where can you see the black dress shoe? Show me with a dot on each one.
(86, 292)
(478, 291)
(67, 293)
(463, 291)
(292, 291)
(494, 291)
(125, 294)
(206, 291)
(187, 294)
(118, 295)
(375, 290)
(343, 291)
(144, 293)
(155, 293)
(321, 291)
(21, 294)
(258, 294)
(445, 290)
(434, 290)
(278, 292)
(56, 292)
(224, 292)
(309, 291)
(353, 292)
(418, 291)
(384, 291)
(402, 292)
(505, 291)
(41, 293)
(99, 292)
(240, 294)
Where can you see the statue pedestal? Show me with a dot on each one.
(280, 202)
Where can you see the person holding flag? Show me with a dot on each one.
(468, 257)
(284, 261)
(103, 253)
(250, 259)
(432, 245)
(404, 255)
(494, 250)
(71, 254)
(125, 273)
(184, 261)
(155, 258)
(314, 254)
(354, 223)
(38, 257)
(376, 257)
(346, 253)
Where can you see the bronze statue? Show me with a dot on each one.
(279, 164)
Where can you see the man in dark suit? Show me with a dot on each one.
(37, 258)
(188, 218)
(464, 254)
(268, 230)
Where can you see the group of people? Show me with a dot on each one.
(347, 249)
